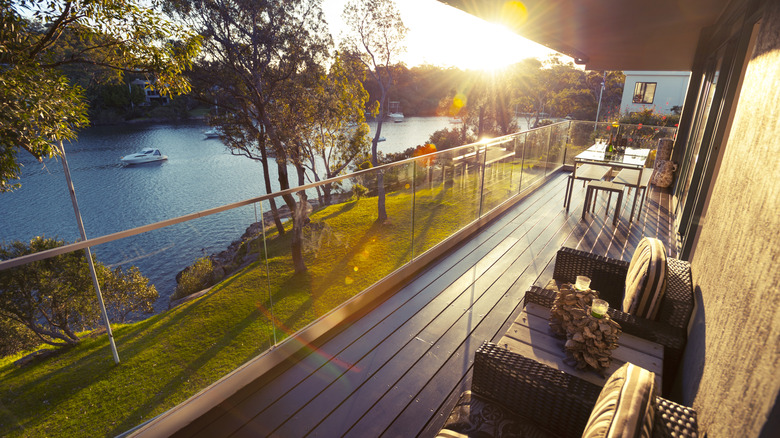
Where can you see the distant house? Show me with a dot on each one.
(150, 94)
(657, 90)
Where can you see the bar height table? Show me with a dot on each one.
(596, 155)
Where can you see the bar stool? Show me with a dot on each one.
(630, 178)
(592, 192)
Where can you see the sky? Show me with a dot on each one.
(448, 37)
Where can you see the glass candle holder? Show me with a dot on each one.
(599, 308)
(583, 283)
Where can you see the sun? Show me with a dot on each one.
(445, 36)
(448, 37)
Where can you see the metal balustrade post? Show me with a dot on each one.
(549, 142)
(483, 166)
(522, 162)
(268, 273)
(88, 254)
(414, 201)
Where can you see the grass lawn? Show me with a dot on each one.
(171, 356)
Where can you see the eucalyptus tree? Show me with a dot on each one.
(39, 39)
(338, 134)
(258, 60)
(376, 35)
(52, 297)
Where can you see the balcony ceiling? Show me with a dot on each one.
(608, 34)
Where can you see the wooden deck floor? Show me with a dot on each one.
(398, 370)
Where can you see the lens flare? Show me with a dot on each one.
(514, 14)
(458, 102)
(349, 280)
(332, 365)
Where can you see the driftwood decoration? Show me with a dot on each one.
(589, 340)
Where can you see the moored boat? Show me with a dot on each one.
(147, 155)
(213, 133)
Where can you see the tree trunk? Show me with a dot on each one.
(269, 190)
(380, 178)
(479, 123)
(327, 193)
(296, 246)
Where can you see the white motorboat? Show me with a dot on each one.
(213, 133)
(396, 117)
(147, 155)
(394, 112)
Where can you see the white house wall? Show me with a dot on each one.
(670, 90)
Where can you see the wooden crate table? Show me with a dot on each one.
(530, 336)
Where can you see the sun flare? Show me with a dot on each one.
(447, 37)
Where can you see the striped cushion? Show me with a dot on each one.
(646, 279)
(624, 407)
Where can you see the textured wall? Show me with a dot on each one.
(731, 371)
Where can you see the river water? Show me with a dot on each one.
(199, 174)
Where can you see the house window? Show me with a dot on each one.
(644, 92)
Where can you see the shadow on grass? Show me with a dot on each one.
(340, 267)
(345, 207)
(93, 363)
(144, 411)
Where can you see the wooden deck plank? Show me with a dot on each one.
(467, 255)
(490, 329)
(398, 370)
(420, 336)
(462, 339)
(283, 391)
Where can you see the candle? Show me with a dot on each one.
(599, 308)
(583, 283)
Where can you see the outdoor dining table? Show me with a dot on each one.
(595, 163)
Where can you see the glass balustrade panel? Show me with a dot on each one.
(557, 145)
(335, 246)
(501, 169)
(535, 159)
(187, 303)
(446, 195)
(583, 135)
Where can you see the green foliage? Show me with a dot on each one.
(38, 107)
(15, 337)
(55, 297)
(52, 297)
(125, 292)
(338, 132)
(359, 191)
(450, 138)
(48, 59)
(194, 279)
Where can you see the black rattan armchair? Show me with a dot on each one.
(553, 400)
(608, 276)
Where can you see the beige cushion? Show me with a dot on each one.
(625, 405)
(646, 279)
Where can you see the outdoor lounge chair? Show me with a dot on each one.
(608, 277)
(512, 395)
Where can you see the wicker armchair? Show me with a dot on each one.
(553, 400)
(608, 276)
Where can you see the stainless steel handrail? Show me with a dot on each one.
(18, 261)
